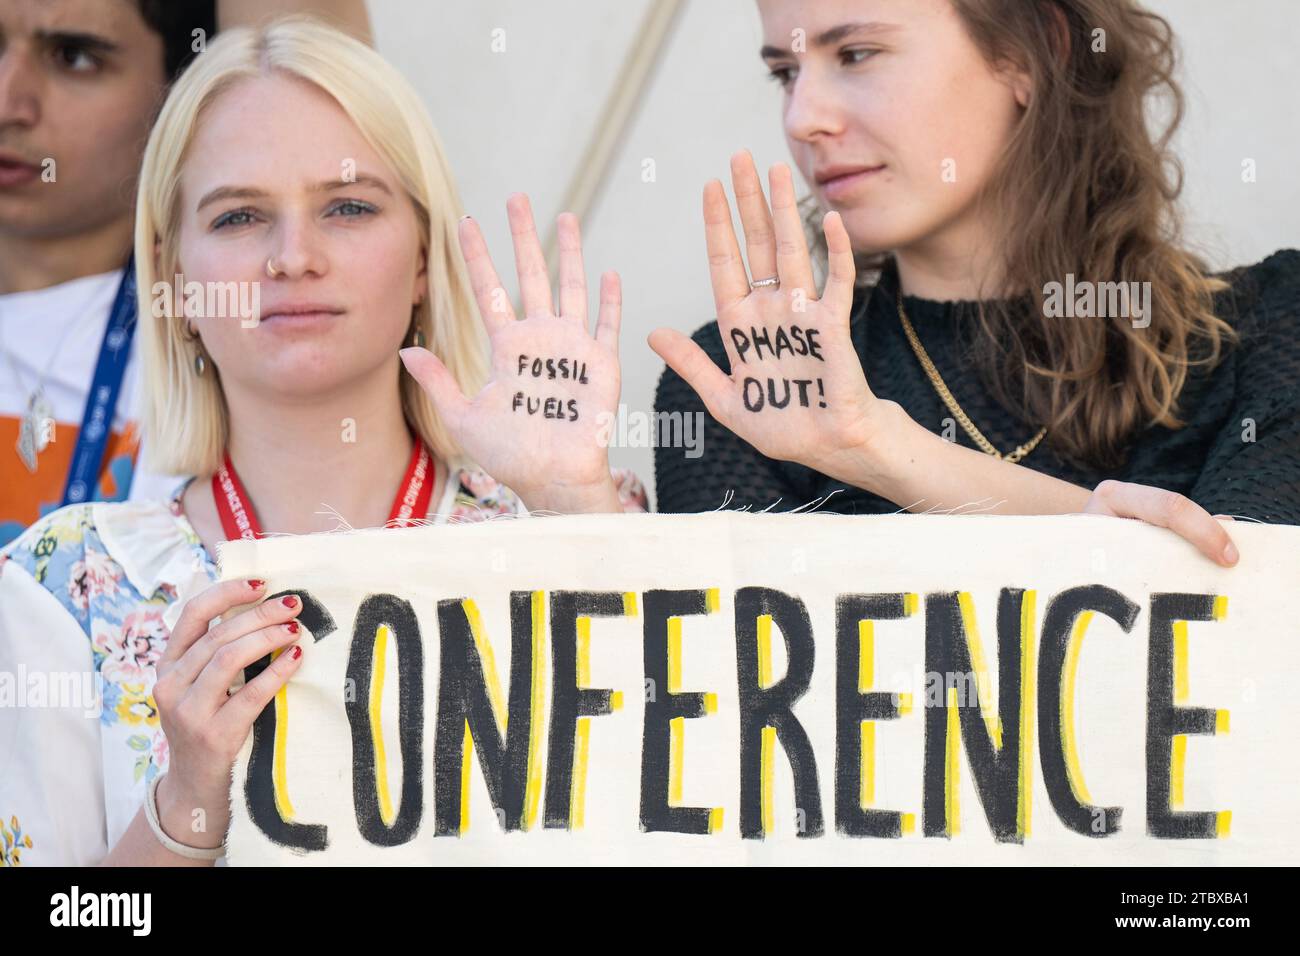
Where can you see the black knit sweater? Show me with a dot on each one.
(1209, 459)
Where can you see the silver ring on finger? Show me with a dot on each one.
(765, 283)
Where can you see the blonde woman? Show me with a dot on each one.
(987, 180)
(296, 159)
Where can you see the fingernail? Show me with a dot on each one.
(1230, 553)
(295, 653)
(292, 627)
(290, 601)
(256, 584)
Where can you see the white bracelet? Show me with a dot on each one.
(180, 849)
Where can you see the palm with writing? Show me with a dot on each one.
(796, 390)
(538, 423)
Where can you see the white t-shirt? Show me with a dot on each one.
(52, 336)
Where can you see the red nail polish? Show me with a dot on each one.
(289, 601)
(256, 584)
(295, 653)
(292, 627)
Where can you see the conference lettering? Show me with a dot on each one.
(552, 630)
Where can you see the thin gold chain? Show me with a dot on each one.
(962, 418)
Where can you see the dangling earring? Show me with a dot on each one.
(200, 363)
(417, 334)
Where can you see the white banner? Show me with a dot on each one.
(735, 688)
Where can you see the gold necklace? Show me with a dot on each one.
(963, 419)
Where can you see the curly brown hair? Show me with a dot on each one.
(1087, 187)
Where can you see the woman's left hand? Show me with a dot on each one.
(796, 389)
(540, 424)
(1168, 509)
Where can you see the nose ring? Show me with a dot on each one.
(271, 270)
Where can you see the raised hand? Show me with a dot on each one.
(796, 390)
(537, 425)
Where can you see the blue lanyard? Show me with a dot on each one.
(101, 403)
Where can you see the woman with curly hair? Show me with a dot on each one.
(1005, 271)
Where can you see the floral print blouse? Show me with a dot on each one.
(88, 597)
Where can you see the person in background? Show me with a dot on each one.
(80, 84)
(982, 162)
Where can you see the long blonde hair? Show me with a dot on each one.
(185, 422)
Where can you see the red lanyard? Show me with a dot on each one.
(239, 521)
